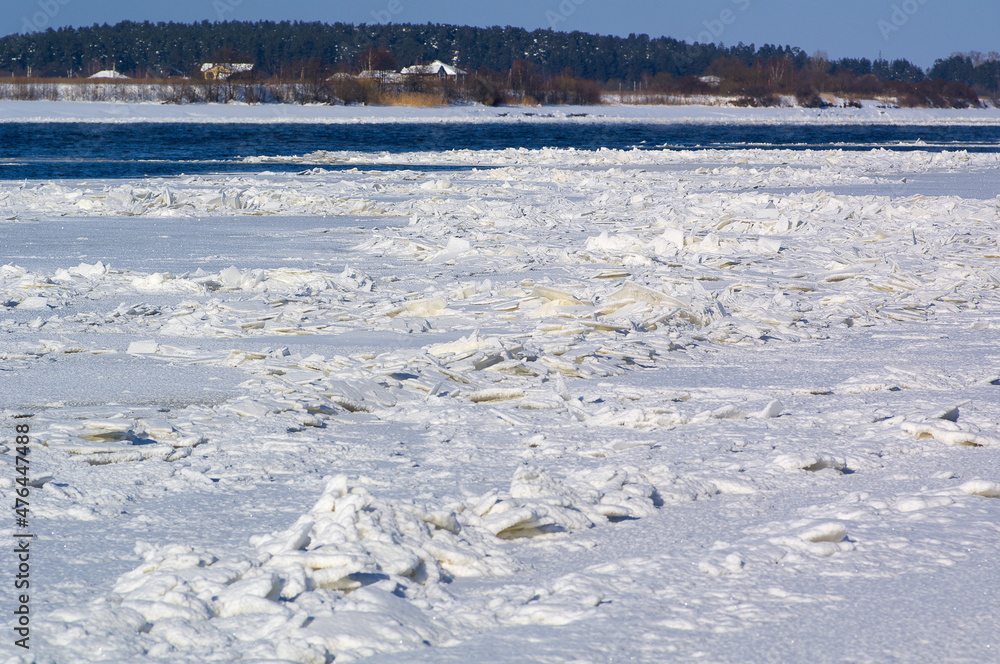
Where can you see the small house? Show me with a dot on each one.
(436, 68)
(108, 73)
(220, 71)
(381, 75)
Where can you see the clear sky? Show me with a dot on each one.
(919, 30)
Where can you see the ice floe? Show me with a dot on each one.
(599, 402)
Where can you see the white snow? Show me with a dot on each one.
(108, 73)
(551, 405)
(139, 111)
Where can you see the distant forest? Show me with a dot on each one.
(290, 51)
(162, 49)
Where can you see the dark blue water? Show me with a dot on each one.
(92, 150)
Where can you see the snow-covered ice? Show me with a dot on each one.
(125, 111)
(551, 405)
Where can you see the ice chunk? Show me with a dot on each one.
(495, 394)
(455, 248)
(254, 595)
(810, 462)
(436, 185)
(830, 531)
(950, 414)
(981, 488)
(34, 302)
(94, 271)
(430, 306)
(773, 409)
(147, 347)
(675, 236)
(730, 564)
(948, 432)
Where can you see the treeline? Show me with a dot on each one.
(279, 49)
(163, 49)
(815, 82)
(311, 89)
(974, 69)
(505, 64)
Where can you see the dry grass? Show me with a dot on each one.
(36, 80)
(420, 99)
(647, 98)
(665, 99)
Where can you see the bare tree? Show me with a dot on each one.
(380, 62)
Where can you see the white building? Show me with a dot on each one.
(220, 71)
(436, 68)
(383, 75)
(108, 73)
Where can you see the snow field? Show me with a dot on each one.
(138, 110)
(587, 404)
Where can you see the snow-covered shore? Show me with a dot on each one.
(548, 406)
(66, 111)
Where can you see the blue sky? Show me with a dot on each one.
(919, 30)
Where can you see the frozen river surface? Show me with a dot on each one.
(542, 405)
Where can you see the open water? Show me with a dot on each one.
(92, 150)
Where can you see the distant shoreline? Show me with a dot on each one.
(135, 112)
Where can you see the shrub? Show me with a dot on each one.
(486, 91)
(757, 97)
(808, 97)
